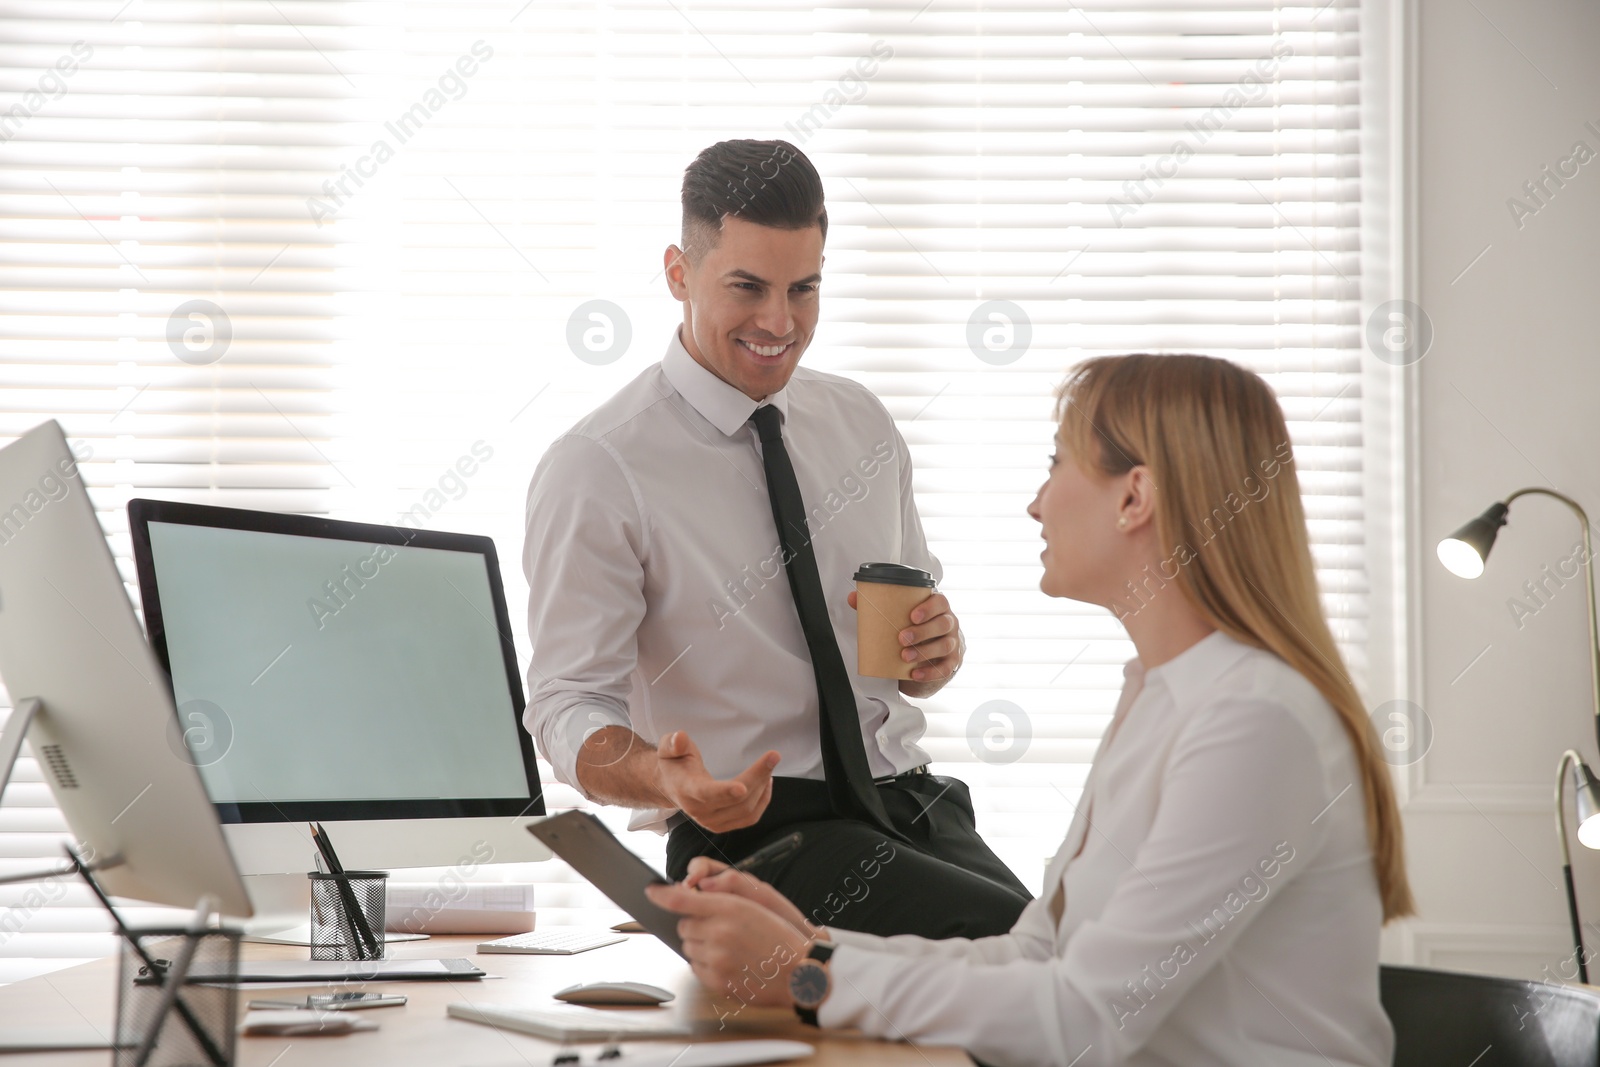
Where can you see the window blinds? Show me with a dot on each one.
(151, 158)
(438, 226)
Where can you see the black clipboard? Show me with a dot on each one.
(594, 852)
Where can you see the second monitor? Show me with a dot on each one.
(357, 675)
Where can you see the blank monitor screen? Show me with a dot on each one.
(336, 670)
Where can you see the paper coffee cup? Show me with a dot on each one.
(885, 595)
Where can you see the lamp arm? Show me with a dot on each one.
(1570, 760)
(1588, 592)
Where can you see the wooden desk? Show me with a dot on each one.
(419, 1033)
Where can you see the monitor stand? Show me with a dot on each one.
(283, 911)
(282, 901)
(11, 738)
(87, 1037)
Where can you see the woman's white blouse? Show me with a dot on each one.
(1223, 908)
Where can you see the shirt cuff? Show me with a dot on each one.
(563, 733)
(845, 1006)
(854, 938)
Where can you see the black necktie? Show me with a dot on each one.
(844, 756)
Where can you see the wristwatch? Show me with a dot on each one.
(810, 983)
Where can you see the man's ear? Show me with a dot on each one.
(1138, 504)
(675, 265)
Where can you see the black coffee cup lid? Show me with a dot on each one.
(894, 574)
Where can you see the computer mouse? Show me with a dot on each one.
(614, 993)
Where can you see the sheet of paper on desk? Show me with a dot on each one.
(257, 974)
(704, 1054)
(302, 1022)
(493, 896)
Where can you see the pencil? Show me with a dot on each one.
(366, 945)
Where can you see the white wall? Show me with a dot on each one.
(1508, 396)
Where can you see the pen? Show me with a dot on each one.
(328, 863)
(778, 850)
(366, 944)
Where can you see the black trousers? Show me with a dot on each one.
(849, 874)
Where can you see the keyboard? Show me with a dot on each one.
(571, 1024)
(552, 942)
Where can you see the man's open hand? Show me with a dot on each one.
(717, 805)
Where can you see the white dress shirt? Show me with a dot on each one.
(658, 597)
(1223, 908)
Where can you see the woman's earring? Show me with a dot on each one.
(1122, 522)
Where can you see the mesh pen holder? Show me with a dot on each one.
(333, 934)
(210, 1008)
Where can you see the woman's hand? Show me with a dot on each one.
(736, 947)
(714, 876)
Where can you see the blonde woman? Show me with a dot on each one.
(1236, 849)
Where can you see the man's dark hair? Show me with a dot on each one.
(769, 183)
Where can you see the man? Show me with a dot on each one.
(690, 551)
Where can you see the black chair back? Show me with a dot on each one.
(1444, 1019)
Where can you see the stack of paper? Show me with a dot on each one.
(457, 908)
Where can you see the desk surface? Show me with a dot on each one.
(419, 1033)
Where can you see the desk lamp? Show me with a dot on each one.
(1463, 553)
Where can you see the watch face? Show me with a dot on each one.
(808, 984)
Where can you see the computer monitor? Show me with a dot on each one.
(89, 696)
(357, 675)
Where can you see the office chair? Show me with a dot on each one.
(1443, 1018)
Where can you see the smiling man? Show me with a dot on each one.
(694, 662)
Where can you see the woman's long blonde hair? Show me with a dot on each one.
(1230, 520)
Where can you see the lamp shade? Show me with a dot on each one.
(1588, 806)
(1464, 551)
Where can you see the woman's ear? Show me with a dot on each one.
(1137, 507)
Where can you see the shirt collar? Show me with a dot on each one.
(1190, 674)
(719, 403)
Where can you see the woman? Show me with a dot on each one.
(1237, 848)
